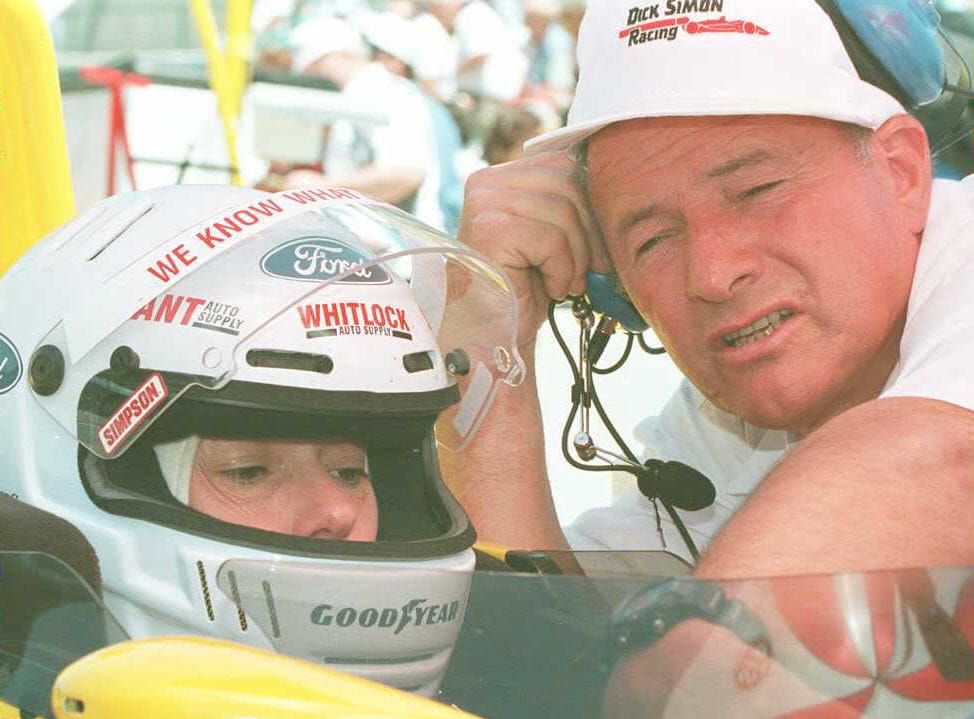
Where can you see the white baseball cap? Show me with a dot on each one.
(320, 36)
(659, 58)
(387, 31)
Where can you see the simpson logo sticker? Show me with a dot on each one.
(103, 311)
(314, 259)
(133, 412)
(414, 613)
(11, 368)
(193, 311)
(332, 319)
(663, 20)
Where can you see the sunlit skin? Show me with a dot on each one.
(310, 489)
(715, 222)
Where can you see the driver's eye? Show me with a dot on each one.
(245, 476)
(350, 476)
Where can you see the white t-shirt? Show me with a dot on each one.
(479, 30)
(407, 140)
(936, 357)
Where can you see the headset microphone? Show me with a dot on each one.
(676, 483)
(672, 484)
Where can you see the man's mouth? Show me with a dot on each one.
(757, 330)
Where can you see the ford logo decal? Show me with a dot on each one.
(315, 259)
(10, 365)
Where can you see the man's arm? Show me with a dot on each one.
(531, 219)
(887, 484)
(501, 479)
(389, 184)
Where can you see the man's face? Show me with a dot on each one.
(766, 252)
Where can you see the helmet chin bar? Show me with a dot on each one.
(397, 625)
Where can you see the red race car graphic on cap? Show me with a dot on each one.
(722, 24)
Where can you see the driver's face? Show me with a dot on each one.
(771, 259)
(304, 488)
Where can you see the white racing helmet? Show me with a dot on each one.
(163, 316)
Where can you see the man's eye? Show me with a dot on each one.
(759, 189)
(350, 476)
(653, 241)
(245, 476)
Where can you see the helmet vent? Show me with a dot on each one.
(121, 223)
(282, 359)
(235, 593)
(271, 610)
(418, 361)
(206, 590)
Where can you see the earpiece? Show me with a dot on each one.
(898, 46)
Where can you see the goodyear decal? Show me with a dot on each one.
(11, 368)
(332, 319)
(316, 259)
(664, 21)
(136, 409)
(414, 613)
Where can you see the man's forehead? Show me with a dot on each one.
(714, 146)
(729, 125)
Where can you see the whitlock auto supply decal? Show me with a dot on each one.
(11, 368)
(192, 312)
(334, 319)
(136, 409)
(665, 20)
(315, 259)
(414, 613)
(103, 310)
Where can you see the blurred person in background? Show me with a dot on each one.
(395, 161)
(393, 40)
(515, 125)
(551, 54)
(491, 65)
(571, 17)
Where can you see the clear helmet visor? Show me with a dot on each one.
(318, 291)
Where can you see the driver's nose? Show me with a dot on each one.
(326, 510)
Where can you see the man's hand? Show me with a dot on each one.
(533, 220)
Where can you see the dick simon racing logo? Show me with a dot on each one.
(315, 259)
(414, 613)
(663, 20)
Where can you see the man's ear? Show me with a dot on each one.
(901, 151)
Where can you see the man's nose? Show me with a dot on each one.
(325, 510)
(721, 259)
